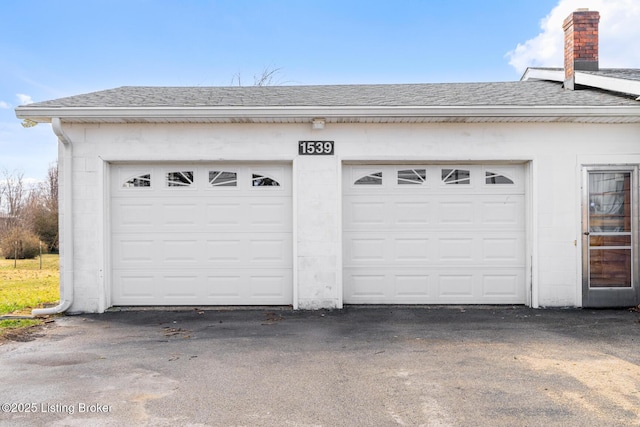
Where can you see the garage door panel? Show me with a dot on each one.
(505, 249)
(434, 248)
(133, 250)
(224, 215)
(223, 288)
(428, 286)
(133, 215)
(412, 286)
(502, 285)
(205, 286)
(269, 214)
(455, 213)
(181, 214)
(412, 213)
(455, 249)
(271, 250)
(225, 250)
(181, 251)
(366, 212)
(139, 286)
(267, 285)
(429, 241)
(200, 244)
(201, 249)
(456, 286)
(368, 285)
(496, 212)
(373, 248)
(509, 212)
(368, 249)
(179, 287)
(412, 249)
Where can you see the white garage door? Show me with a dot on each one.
(436, 234)
(200, 234)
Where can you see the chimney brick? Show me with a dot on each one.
(580, 44)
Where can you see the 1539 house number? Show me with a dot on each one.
(315, 148)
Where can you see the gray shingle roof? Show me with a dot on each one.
(518, 93)
(618, 73)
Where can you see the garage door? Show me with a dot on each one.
(436, 234)
(200, 234)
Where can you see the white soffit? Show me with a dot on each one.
(614, 84)
(555, 75)
(608, 83)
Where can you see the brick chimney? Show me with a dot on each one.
(580, 44)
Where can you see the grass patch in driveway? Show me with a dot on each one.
(25, 287)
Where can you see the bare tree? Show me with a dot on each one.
(265, 78)
(46, 224)
(28, 214)
(50, 187)
(13, 192)
(40, 214)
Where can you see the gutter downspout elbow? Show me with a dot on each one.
(66, 288)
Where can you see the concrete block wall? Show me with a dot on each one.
(555, 152)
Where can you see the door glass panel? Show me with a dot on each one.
(609, 202)
(609, 233)
(610, 240)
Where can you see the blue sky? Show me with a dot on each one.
(50, 49)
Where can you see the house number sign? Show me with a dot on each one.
(315, 148)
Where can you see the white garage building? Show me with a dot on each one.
(318, 196)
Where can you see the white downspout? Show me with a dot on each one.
(66, 284)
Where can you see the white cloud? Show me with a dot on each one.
(24, 99)
(4, 105)
(618, 36)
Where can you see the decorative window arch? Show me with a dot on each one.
(259, 180)
(412, 176)
(223, 179)
(370, 179)
(497, 178)
(179, 179)
(143, 180)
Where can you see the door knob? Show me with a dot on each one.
(586, 233)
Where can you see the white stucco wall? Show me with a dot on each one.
(553, 151)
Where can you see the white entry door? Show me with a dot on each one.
(196, 234)
(434, 234)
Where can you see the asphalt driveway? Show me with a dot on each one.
(384, 366)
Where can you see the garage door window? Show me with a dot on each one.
(370, 179)
(223, 179)
(456, 176)
(262, 181)
(496, 178)
(138, 181)
(180, 179)
(412, 176)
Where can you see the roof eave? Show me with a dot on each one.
(302, 113)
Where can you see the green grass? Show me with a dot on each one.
(18, 323)
(26, 287)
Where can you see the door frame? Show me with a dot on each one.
(610, 297)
